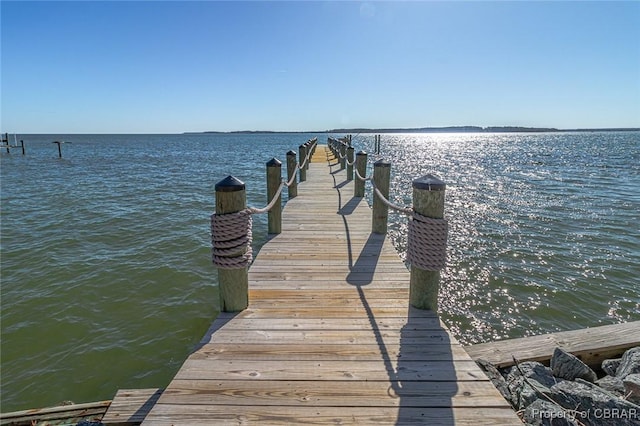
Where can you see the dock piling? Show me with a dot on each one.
(59, 148)
(274, 176)
(350, 155)
(381, 177)
(291, 170)
(361, 167)
(231, 197)
(428, 200)
(302, 151)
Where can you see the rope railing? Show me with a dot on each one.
(231, 233)
(428, 230)
(427, 237)
(364, 179)
(405, 210)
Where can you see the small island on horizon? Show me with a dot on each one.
(447, 129)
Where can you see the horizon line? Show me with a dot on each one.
(438, 129)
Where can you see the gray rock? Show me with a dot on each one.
(545, 413)
(566, 366)
(527, 382)
(630, 363)
(610, 366)
(611, 384)
(532, 370)
(595, 406)
(631, 385)
(530, 391)
(496, 378)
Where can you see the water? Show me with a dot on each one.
(107, 283)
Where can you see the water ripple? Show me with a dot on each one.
(106, 274)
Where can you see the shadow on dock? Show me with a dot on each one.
(421, 369)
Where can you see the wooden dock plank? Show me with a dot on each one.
(360, 352)
(130, 406)
(591, 345)
(206, 415)
(57, 415)
(331, 371)
(313, 393)
(329, 337)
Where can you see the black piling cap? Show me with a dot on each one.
(429, 183)
(351, 148)
(230, 184)
(361, 153)
(291, 152)
(382, 163)
(302, 146)
(274, 162)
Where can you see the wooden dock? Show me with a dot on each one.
(328, 337)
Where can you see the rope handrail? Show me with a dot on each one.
(231, 233)
(427, 237)
(293, 176)
(307, 157)
(381, 197)
(253, 210)
(304, 163)
(364, 179)
(283, 183)
(406, 210)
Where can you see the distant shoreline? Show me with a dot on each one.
(450, 129)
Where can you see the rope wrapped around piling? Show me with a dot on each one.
(427, 242)
(231, 236)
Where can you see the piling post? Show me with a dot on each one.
(361, 167)
(350, 155)
(22, 145)
(231, 197)
(380, 214)
(59, 148)
(302, 151)
(274, 177)
(308, 152)
(343, 155)
(291, 170)
(428, 200)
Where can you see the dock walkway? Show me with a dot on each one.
(328, 337)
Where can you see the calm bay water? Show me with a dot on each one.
(106, 274)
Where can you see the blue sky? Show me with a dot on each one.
(169, 67)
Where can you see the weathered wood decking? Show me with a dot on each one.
(591, 345)
(328, 337)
